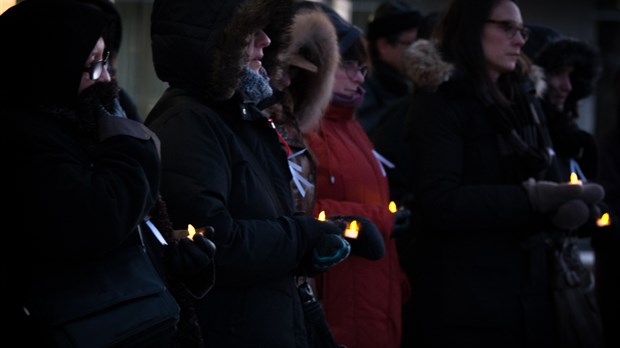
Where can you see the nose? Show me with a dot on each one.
(105, 76)
(262, 40)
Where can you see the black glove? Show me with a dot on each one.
(191, 261)
(369, 242)
(330, 250)
(326, 246)
(547, 197)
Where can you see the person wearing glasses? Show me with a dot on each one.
(82, 176)
(362, 296)
(390, 30)
(486, 196)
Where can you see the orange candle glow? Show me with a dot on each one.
(603, 221)
(352, 230)
(191, 231)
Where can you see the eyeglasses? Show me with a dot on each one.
(95, 69)
(351, 67)
(511, 29)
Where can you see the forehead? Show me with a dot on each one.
(507, 11)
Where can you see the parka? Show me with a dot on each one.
(362, 298)
(224, 166)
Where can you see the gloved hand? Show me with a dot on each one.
(402, 222)
(326, 246)
(547, 197)
(191, 261)
(571, 215)
(369, 242)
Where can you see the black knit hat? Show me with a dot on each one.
(347, 33)
(392, 17)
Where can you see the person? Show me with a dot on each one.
(113, 39)
(392, 28)
(224, 165)
(485, 200)
(85, 175)
(301, 93)
(361, 296)
(572, 69)
(606, 245)
(304, 91)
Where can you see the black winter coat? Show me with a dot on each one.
(478, 262)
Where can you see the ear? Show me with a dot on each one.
(383, 45)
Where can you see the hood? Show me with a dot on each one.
(583, 57)
(425, 67)
(200, 44)
(44, 55)
(314, 49)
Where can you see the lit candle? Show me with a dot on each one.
(603, 220)
(392, 207)
(191, 231)
(322, 215)
(574, 179)
(352, 230)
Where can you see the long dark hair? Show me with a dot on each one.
(459, 35)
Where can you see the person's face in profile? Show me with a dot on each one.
(95, 68)
(258, 41)
(503, 35)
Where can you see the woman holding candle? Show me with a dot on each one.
(483, 206)
(224, 165)
(361, 296)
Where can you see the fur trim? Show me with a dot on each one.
(201, 45)
(424, 65)
(272, 15)
(313, 37)
(538, 77)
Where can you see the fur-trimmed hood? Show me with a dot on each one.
(313, 40)
(200, 45)
(581, 56)
(425, 67)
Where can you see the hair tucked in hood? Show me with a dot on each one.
(200, 44)
(44, 55)
(314, 48)
(582, 57)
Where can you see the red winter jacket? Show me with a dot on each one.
(362, 299)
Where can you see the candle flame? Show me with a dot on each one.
(322, 215)
(191, 231)
(574, 179)
(392, 207)
(603, 221)
(352, 230)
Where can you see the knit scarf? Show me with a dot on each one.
(254, 85)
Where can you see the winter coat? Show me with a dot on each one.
(223, 166)
(478, 262)
(77, 192)
(313, 57)
(362, 299)
(384, 86)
